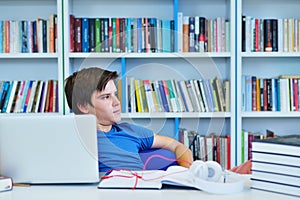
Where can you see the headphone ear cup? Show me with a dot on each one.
(199, 169)
(214, 171)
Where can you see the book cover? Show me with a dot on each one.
(163, 96)
(6, 184)
(85, 35)
(72, 34)
(192, 34)
(77, 34)
(275, 187)
(166, 35)
(91, 36)
(97, 34)
(185, 34)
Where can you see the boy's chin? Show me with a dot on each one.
(117, 118)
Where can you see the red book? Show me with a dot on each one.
(118, 49)
(265, 95)
(250, 140)
(7, 36)
(72, 34)
(257, 36)
(77, 35)
(228, 152)
(254, 94)
(296, 94)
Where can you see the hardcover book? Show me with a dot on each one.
(6, 184)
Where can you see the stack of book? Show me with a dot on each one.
(276, 165)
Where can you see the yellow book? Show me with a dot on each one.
(258, 94)
(143, 95)
(138, 95)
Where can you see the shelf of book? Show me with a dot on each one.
(265, 59)
(31, 43)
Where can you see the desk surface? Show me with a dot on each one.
(90, 192)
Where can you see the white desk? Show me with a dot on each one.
(90, 192)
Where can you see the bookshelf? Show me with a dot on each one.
(170, 65)
(16, 65)
(231, 65)
(265, 65)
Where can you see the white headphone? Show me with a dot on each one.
(207, 176)
(209, 170)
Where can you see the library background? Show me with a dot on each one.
(213, 74)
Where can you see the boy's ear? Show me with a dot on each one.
(84, 108)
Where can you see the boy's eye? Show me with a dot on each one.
(105, 97)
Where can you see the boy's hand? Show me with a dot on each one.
(244, 168)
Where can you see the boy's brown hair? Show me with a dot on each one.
(80, 86)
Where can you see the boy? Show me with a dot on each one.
(93, 91)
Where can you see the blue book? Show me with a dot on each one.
(3, 95)
(24, 39)
(3, 110)
(183, 97)
(163, 96)
(34, 37)
(106, 34)
(128, 35)
(166, 35)
(139, 35)
(85, 35)
(192, 34)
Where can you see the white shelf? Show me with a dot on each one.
(269, 114)
(29, 55)
(177, 115)
(150, 55)
(269, 54)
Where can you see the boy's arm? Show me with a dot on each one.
(183, 154)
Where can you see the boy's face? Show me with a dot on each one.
(106, 105)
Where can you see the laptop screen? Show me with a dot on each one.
(49, 148)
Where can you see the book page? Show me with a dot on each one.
(132, 179)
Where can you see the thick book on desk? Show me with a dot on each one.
(174, 176)
(276, 165)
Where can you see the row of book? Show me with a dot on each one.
(199, 34)
(211, 95)
(119, 34)
(145, 35)
(270, 94)
(270, 35)
(28, 96)
(276, 165)
(26, 36)
(210, 147)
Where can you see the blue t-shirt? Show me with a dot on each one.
(119, 148)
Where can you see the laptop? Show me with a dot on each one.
(49, 149)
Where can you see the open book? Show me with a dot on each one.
(174, 175)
